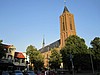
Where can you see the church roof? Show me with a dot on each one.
(65, 9)
(55, 44)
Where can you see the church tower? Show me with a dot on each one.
(67, 26)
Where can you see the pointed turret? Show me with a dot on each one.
(43, 44)
(67, 26)
(65, 9)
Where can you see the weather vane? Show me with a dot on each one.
(64, 2)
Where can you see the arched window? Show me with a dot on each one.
(70, 23)
(63, 24)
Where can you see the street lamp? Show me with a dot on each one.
(91, 62)
(72, 63)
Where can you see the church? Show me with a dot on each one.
(67, 28)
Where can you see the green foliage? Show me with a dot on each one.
(38, 60)
(2, 50)
(35, 56)
(95, 49)
(1, 41)
(55, 59)
(76, 46)
(95, 43)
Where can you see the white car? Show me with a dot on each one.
(17, 72)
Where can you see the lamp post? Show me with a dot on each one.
(72, 63)
(92, 64)
(91, 61)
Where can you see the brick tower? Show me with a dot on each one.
(67, 26)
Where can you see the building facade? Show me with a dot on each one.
(9, 51)
(12, 59)
(67, 28)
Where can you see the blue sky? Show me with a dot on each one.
(25, 22)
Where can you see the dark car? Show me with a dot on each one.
(17, 72)
(29, 73)
(5, 73)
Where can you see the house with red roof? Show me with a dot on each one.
(17, 60)
(20, 60)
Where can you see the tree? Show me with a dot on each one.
(2, 50)
(55, 59)
(38, 60)
(96, 47)
(35, 57)
(1, 41)
(95, 43)
(30, 52)
(76, 47)
(75, 44)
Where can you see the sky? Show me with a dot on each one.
(26, 22)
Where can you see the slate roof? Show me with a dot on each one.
(55, 44)
(65, 9)
(4, 46)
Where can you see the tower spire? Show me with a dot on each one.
(65, 8)
(67, 26)
(43, 44)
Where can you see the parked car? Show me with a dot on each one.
(5, 73)
(29, 73)
(17, 72)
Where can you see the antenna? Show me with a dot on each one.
(64, 2)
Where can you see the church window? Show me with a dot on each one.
(63, 24)
(66, 23)
(70, 23)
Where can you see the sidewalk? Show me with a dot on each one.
(88, 72)
(78, 74)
